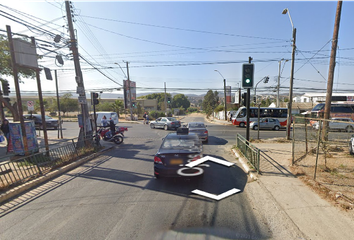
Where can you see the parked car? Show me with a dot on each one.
(266, 123)
(200, 129)
(177, 150)
(339, 124)
(165, 123)
(37, 118)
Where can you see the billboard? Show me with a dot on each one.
(25, 53)
(228, 94)
(129, 90)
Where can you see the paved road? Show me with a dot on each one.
(116, 197)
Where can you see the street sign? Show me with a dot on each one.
(82, 99)
(30, 105)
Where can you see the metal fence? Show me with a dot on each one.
(15, 172)
(248, 150)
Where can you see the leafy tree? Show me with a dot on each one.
(180, 100)
(5, 62)
(68, 104)
(104, 107)
(118, 106)
(210, 102)
(192, 109)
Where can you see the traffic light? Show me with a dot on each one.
(134, 104)
(244, 99)
(5, 88)
(247, 75)
(168, 100)
(94, 98)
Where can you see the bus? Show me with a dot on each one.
(344, 110)
(279, 113)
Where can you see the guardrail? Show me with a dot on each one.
(16, 172)
(250, 152)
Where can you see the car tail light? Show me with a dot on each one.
(196, 158)
(172, 123)
(157, 160)
(206, 132)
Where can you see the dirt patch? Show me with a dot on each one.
(334, 179)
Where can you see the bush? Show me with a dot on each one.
(192, 109)
(219, 108)
(156, 114)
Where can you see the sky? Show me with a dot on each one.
(182, 43)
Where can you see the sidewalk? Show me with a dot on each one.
(301, 208)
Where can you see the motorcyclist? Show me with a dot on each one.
(112, 126)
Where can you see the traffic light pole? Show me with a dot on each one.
(248, 107)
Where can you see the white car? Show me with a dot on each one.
(340, 124)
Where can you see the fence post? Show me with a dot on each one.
(293, 144)
(318, 146)
(306, 141)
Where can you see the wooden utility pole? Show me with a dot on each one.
(17, 87)
(331, 71)
(79, 78)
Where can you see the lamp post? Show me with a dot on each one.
(265, 80)
(225, 108)
(288, 123)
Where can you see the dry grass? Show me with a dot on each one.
(334, 176)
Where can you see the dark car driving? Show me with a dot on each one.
(177, 150)
(200, 129)
(37, 118)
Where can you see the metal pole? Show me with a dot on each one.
(130, 94)
(225, 109)
(165, 99)
(58, 103)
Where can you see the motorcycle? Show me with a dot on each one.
(106, 134)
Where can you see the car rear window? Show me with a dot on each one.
(181, 143)
(196, 125)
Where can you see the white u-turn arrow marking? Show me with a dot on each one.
(208, 158)
(216, 197)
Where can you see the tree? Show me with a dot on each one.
(68, 104)
(118, 107)
(104, 107)
(210, 102)
(180, 100)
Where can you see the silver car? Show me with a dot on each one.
(266, 123)
(165, 123)
(200, 129)
(339, 124)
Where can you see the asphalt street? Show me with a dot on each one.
(115, 196)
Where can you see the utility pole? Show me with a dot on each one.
(332, 62)
(130, 93)
(288, 123)
(17, 87)
(225, 108)
(79, 78)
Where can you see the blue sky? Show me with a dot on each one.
(182, 43)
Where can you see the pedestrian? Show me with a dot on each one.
(5, 128)
(104, 121)
(144, 116)
(112, 126)
(147, 119)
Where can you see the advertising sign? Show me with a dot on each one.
(17, 140)
(129, 90)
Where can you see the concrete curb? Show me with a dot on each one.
(28, 185)
(245, 166)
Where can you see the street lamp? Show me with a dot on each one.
(225, 108)
(288, 123)
(265, 80)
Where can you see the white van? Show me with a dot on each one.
(108, 115)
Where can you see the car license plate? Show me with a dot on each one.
(176, 161)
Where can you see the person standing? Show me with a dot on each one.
(144, 116)
(5, 128)
(112, 126)
(104, 121)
